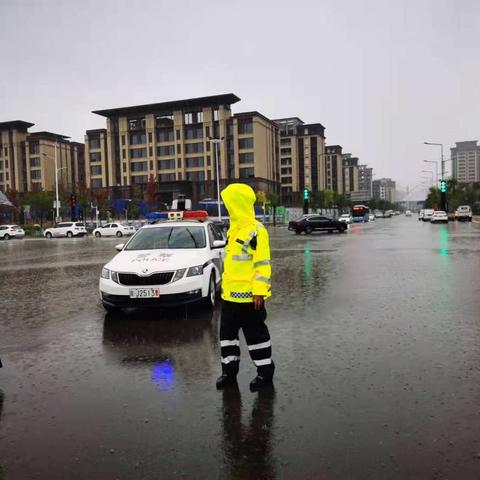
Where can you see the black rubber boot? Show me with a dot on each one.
(259, 383)
(225, 380)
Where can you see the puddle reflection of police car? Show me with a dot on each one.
(165, 264)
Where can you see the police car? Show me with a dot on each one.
(165, 264)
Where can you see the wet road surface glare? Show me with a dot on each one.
(376, 338)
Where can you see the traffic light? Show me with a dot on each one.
(443, 186)
(73, 200)
(306, 194)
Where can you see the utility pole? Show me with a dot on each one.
(443, 190)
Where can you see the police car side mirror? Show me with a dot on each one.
(119, 247)
(219, 243)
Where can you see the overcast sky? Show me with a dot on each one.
(382, 76)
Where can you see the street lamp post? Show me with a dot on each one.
(57, 202)
(216, 142)
(443, 195)
(126, 209)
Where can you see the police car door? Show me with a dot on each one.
(215, 233)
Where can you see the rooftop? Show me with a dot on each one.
(168, 107)
(48, 135)
(253, 114)
(17, 124)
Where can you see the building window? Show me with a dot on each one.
(124, 153)
(124, 167)
(188, 118)
(36, 174)
(216, 115)
(96, 156)
(94, 142)
(194, 147)
(245, 142)
(165, 135)
(151, 164)
(178, 134)
(179, 163)
(150, 151)
(1, 164)
(139, 179)
(207, 132)
(96, 170)
(195, 176)
(149, 137)
(287, 180)
(35, 148)
(199, 117)
(1, 177)
(167, 177)
(285, 141)
(136, 124)
(166, 164)
(247, 172)
(137, 138)
(96, 183)
(123, 139)
(34, 162)
(138, 153)
(287, 171)
(179, 149)
(286, 161)
(194, 162)
(246, 157)
(162, 120)
(193, 132)
(285, 151)
(139, 166)
(245, 125)
(166, 150)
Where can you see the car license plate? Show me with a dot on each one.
(144, 292)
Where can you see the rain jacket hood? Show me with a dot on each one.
(239, 200)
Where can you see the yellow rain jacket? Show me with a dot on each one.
(247, 268)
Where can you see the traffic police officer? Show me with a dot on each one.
(245, 285)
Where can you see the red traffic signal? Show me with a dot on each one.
(73, 200)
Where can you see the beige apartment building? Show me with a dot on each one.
(170, 142)
(350, 174)
(27, 160)
(334, 168)
(302, 157)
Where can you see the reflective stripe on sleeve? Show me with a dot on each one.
(259, 346)
(231, 358)
(261, 262)
(242, 258)
(263, 279)
(265, 361)
(229, 343)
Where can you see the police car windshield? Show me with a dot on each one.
(165, 237)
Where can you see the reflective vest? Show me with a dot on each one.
(247, 268)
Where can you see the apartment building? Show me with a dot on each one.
(170, 141)
(466, 161)
(384, 189)
(365, 178)
(302, 156)
(350, 173)
(27, 159)
(334, 168)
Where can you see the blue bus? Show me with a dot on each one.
(360, 213)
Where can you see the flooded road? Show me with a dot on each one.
(376, 339)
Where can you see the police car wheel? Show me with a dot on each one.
(119, 234)
(211, 298)
(98, 234)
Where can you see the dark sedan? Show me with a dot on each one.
(310, 223)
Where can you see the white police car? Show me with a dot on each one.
(165, 264)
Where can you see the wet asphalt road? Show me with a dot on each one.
(376, 337)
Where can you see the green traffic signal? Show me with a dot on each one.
(306, 194)
(443, 186)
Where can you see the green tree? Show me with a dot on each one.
(41, 204)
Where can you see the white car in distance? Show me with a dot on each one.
(463, 212)
(66, 229)
(439, 217)
(165, 264)
(427, 215)
(11, 231)
(114, 230)
(345, 218)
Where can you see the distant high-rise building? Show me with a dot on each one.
(384, 189)
(365, 177)
(302, 156)
(466, 161)
(334, 168)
